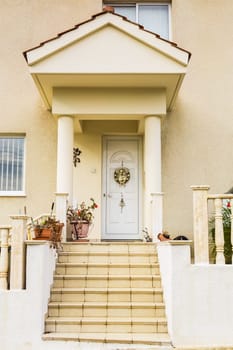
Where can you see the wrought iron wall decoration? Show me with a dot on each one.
(122, 202)
(76, 154)
(122, 175)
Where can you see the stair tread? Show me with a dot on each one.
(108, 276)
(104, 304)
(106, 319)
(108, 264)
(109, 253)
(107, 289)
(102, 243)
(142, 338)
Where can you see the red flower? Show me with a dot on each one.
(228, 204)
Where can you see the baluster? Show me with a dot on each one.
(231, 201)
(219, 236)
(4, 234)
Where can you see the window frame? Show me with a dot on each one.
(147, 3)
(14, 193)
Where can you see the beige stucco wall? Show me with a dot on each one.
(196, 136)
(87, 176)
(25, 24)
(198, 133)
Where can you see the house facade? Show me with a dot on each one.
(149, 119)
(128, 103)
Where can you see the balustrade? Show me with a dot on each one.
(201, 228)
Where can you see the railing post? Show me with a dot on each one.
(219, 236)
(231, 203)
(61, 208)
(4, 235)
(18, 237)
(200, 224)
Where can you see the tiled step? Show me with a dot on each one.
(107, 295)
(103, 325)
(107, 269)
(106, 281)
(107, 292)
(159, 339)
(107, 309)
(105, 247)
(107, 258)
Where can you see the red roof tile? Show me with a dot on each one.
(107, 9)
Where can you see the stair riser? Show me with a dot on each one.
(105, 312)
(108, 270)
(107, 283)
(85, 259)
(107, 297)
(109, 248)
(102, 328)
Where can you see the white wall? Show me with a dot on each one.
(23, 311)
(198, 298)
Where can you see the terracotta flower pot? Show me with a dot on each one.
(80, 229)
(52, 233)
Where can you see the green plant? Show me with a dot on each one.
(83, 212)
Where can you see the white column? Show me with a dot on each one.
(153, 205)
(65, 142)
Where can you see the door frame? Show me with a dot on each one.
(105, 139)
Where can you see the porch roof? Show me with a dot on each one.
(107, 51)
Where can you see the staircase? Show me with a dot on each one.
(109, 293)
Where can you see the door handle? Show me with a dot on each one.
(109, 195)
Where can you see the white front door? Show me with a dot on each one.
(121, 188)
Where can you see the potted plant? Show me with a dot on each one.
(81, 218)
(47, 227)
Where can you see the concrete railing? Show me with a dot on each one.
(203, 216)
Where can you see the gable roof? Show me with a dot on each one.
(107, 50)
(107, 9)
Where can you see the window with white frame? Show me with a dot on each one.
(12, 152)
(154, 17)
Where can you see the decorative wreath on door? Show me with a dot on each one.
(122, 175)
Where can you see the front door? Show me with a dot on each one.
(121, 188)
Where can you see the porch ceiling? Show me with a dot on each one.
(107, 51)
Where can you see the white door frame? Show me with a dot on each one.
(104, 179)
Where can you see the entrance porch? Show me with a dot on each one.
(110, 75)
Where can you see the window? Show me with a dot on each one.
(12, 165)
(154, 17)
